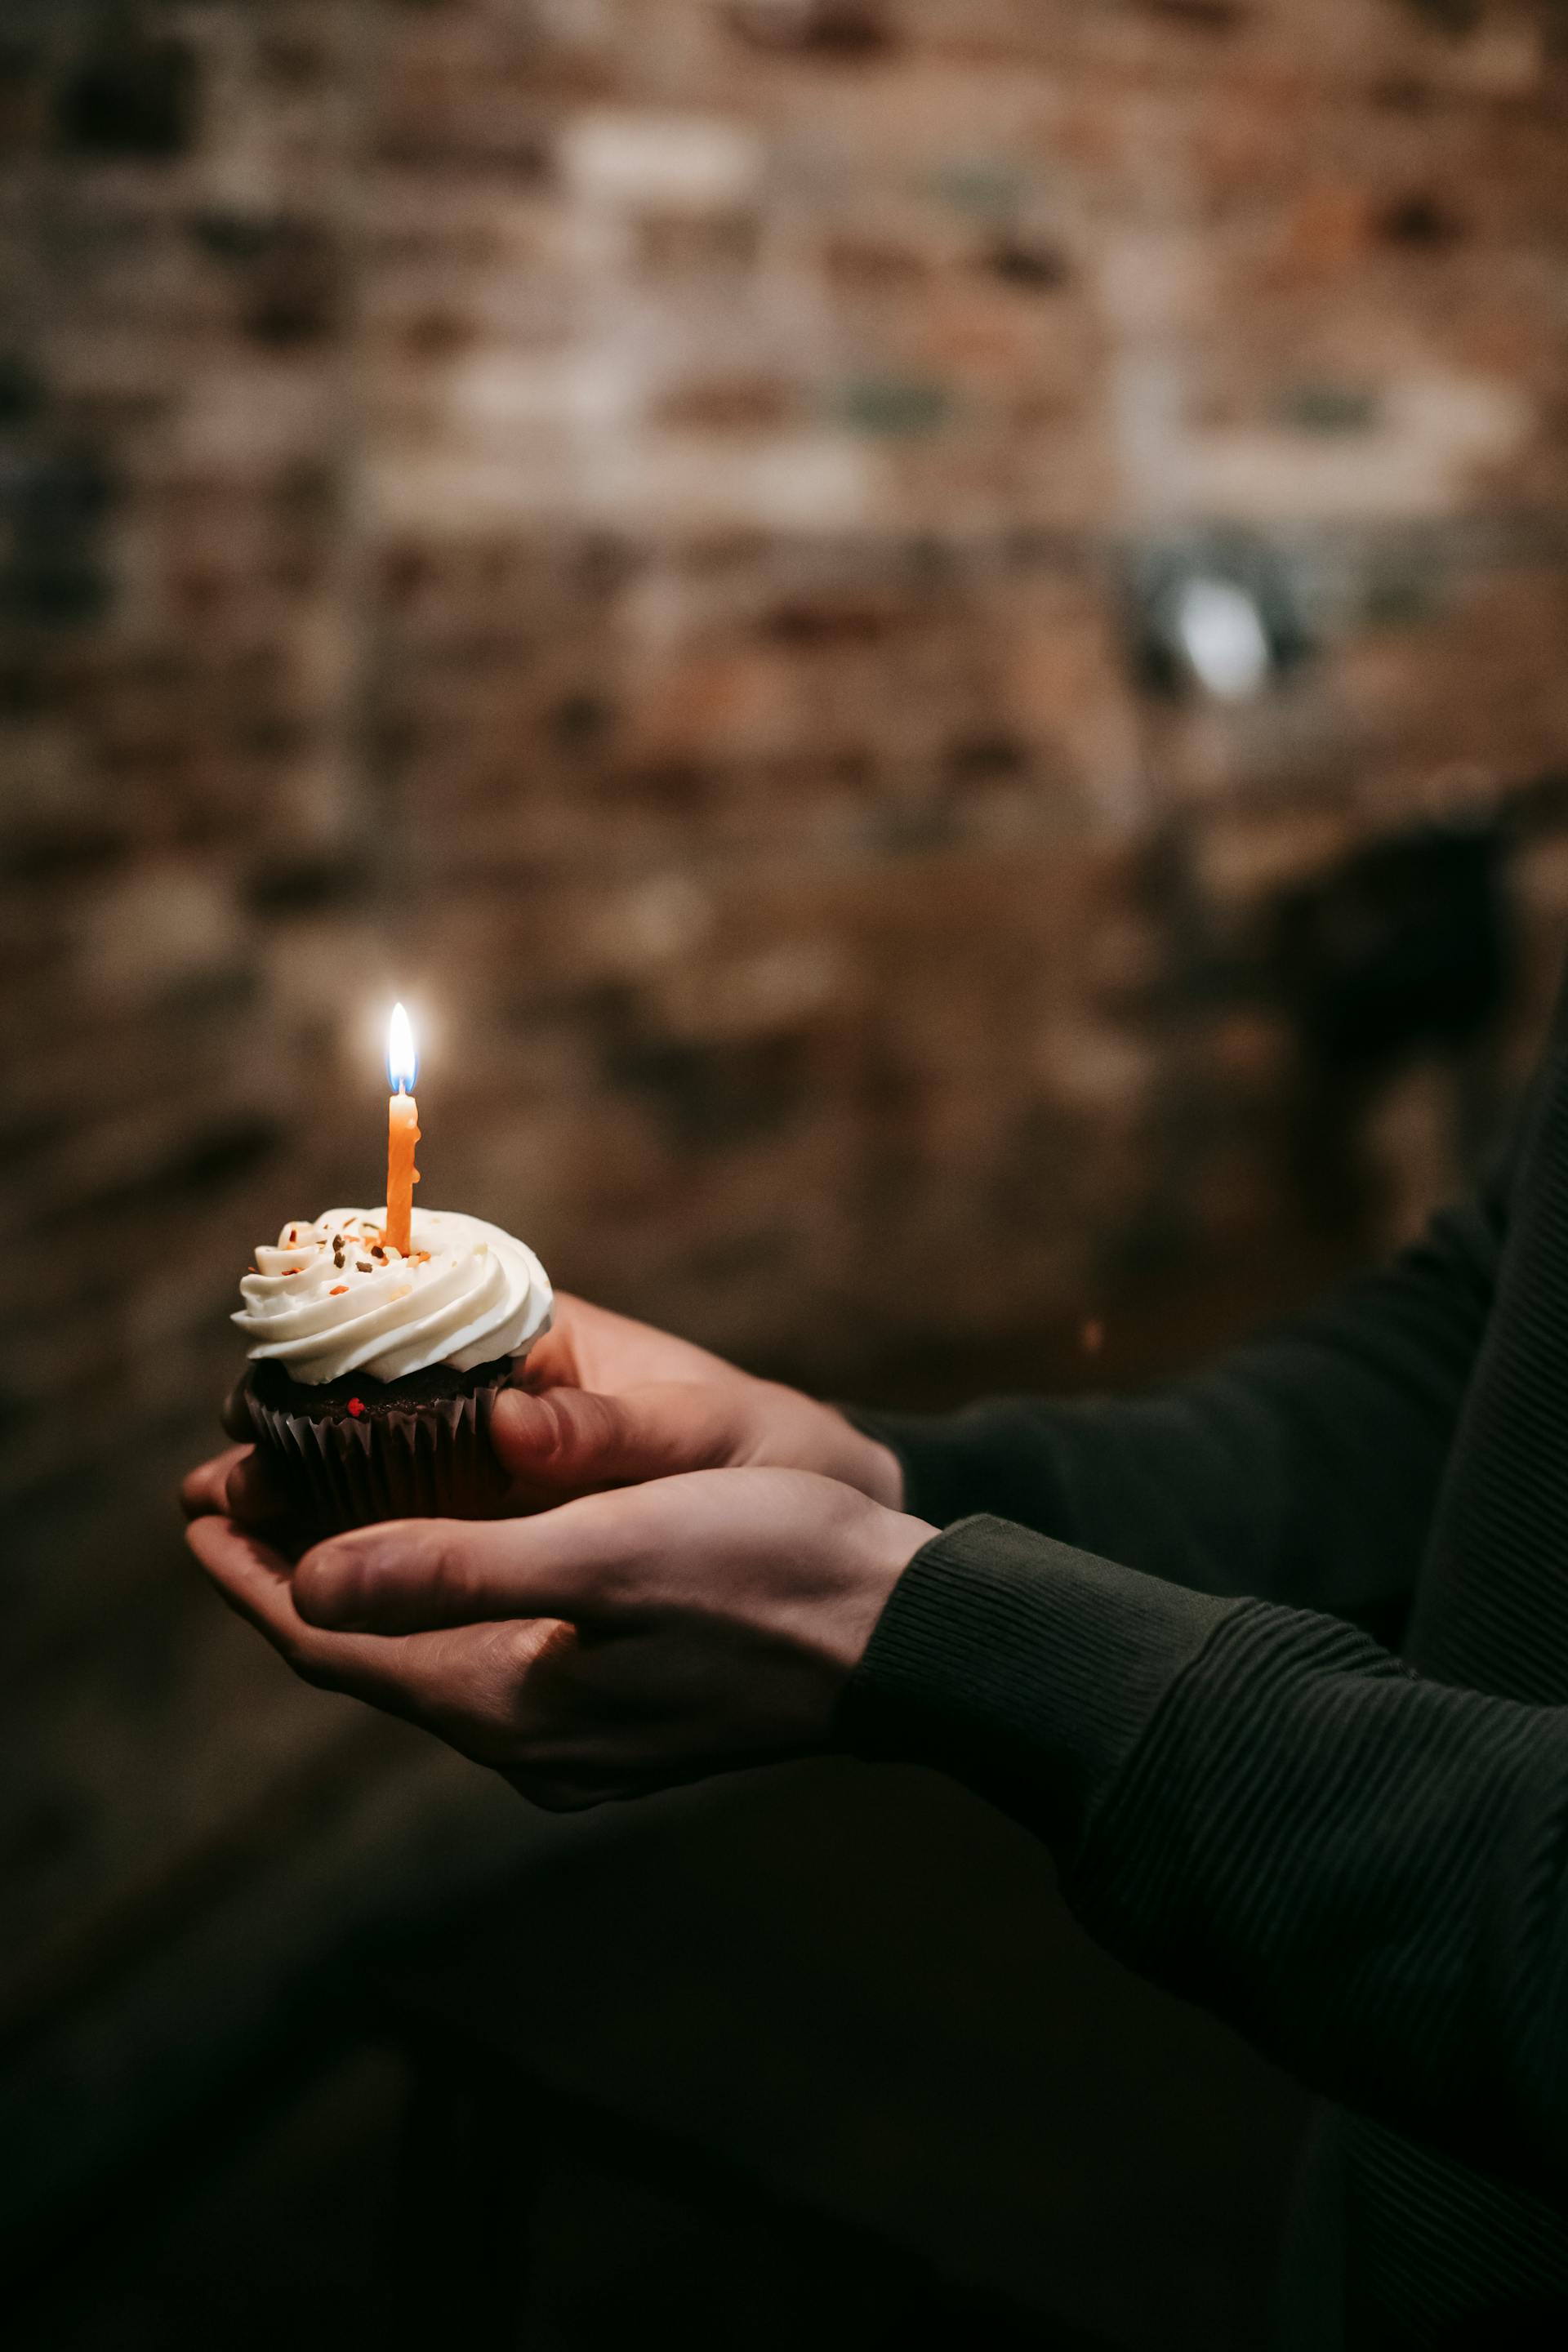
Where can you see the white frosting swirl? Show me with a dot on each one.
(331, 1299)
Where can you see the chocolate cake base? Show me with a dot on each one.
(355, 1450)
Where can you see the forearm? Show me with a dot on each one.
(1303, 1467)
(1261, 1810)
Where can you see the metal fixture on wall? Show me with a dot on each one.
(1215, 616)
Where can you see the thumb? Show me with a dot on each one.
(408, 1576)
(576, 1440)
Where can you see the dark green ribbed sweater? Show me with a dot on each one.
(1147, 1653)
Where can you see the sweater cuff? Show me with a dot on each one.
(1023, 1667)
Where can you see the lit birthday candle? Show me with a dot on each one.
(401, 1132)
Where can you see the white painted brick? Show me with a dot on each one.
(662, 163)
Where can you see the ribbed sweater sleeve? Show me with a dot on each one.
(1362, 1870)
(1301, 1467)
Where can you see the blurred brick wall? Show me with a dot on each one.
(611, 518)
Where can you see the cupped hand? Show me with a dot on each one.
(623, 1642)
(601, 1402)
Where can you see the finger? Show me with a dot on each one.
(252, 1494)
(252, 1578)
(573, 1440)
(255, 1581)
(236, 1415)
(405, 1575)
(204, 1489)
(235, 1484)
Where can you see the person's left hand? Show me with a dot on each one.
(614, 1645)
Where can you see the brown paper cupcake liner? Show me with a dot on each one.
(429, 1460)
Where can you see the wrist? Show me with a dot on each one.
(884, 1542)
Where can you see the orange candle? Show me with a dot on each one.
(402, 1133)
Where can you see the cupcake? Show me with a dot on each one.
(373, 1375)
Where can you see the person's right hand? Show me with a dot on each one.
(603, 1402)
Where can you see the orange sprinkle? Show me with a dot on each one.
(337, 1290)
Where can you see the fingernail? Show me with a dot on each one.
(520, 1418)
(517, 1404)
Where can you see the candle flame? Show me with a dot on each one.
(401, 1061)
